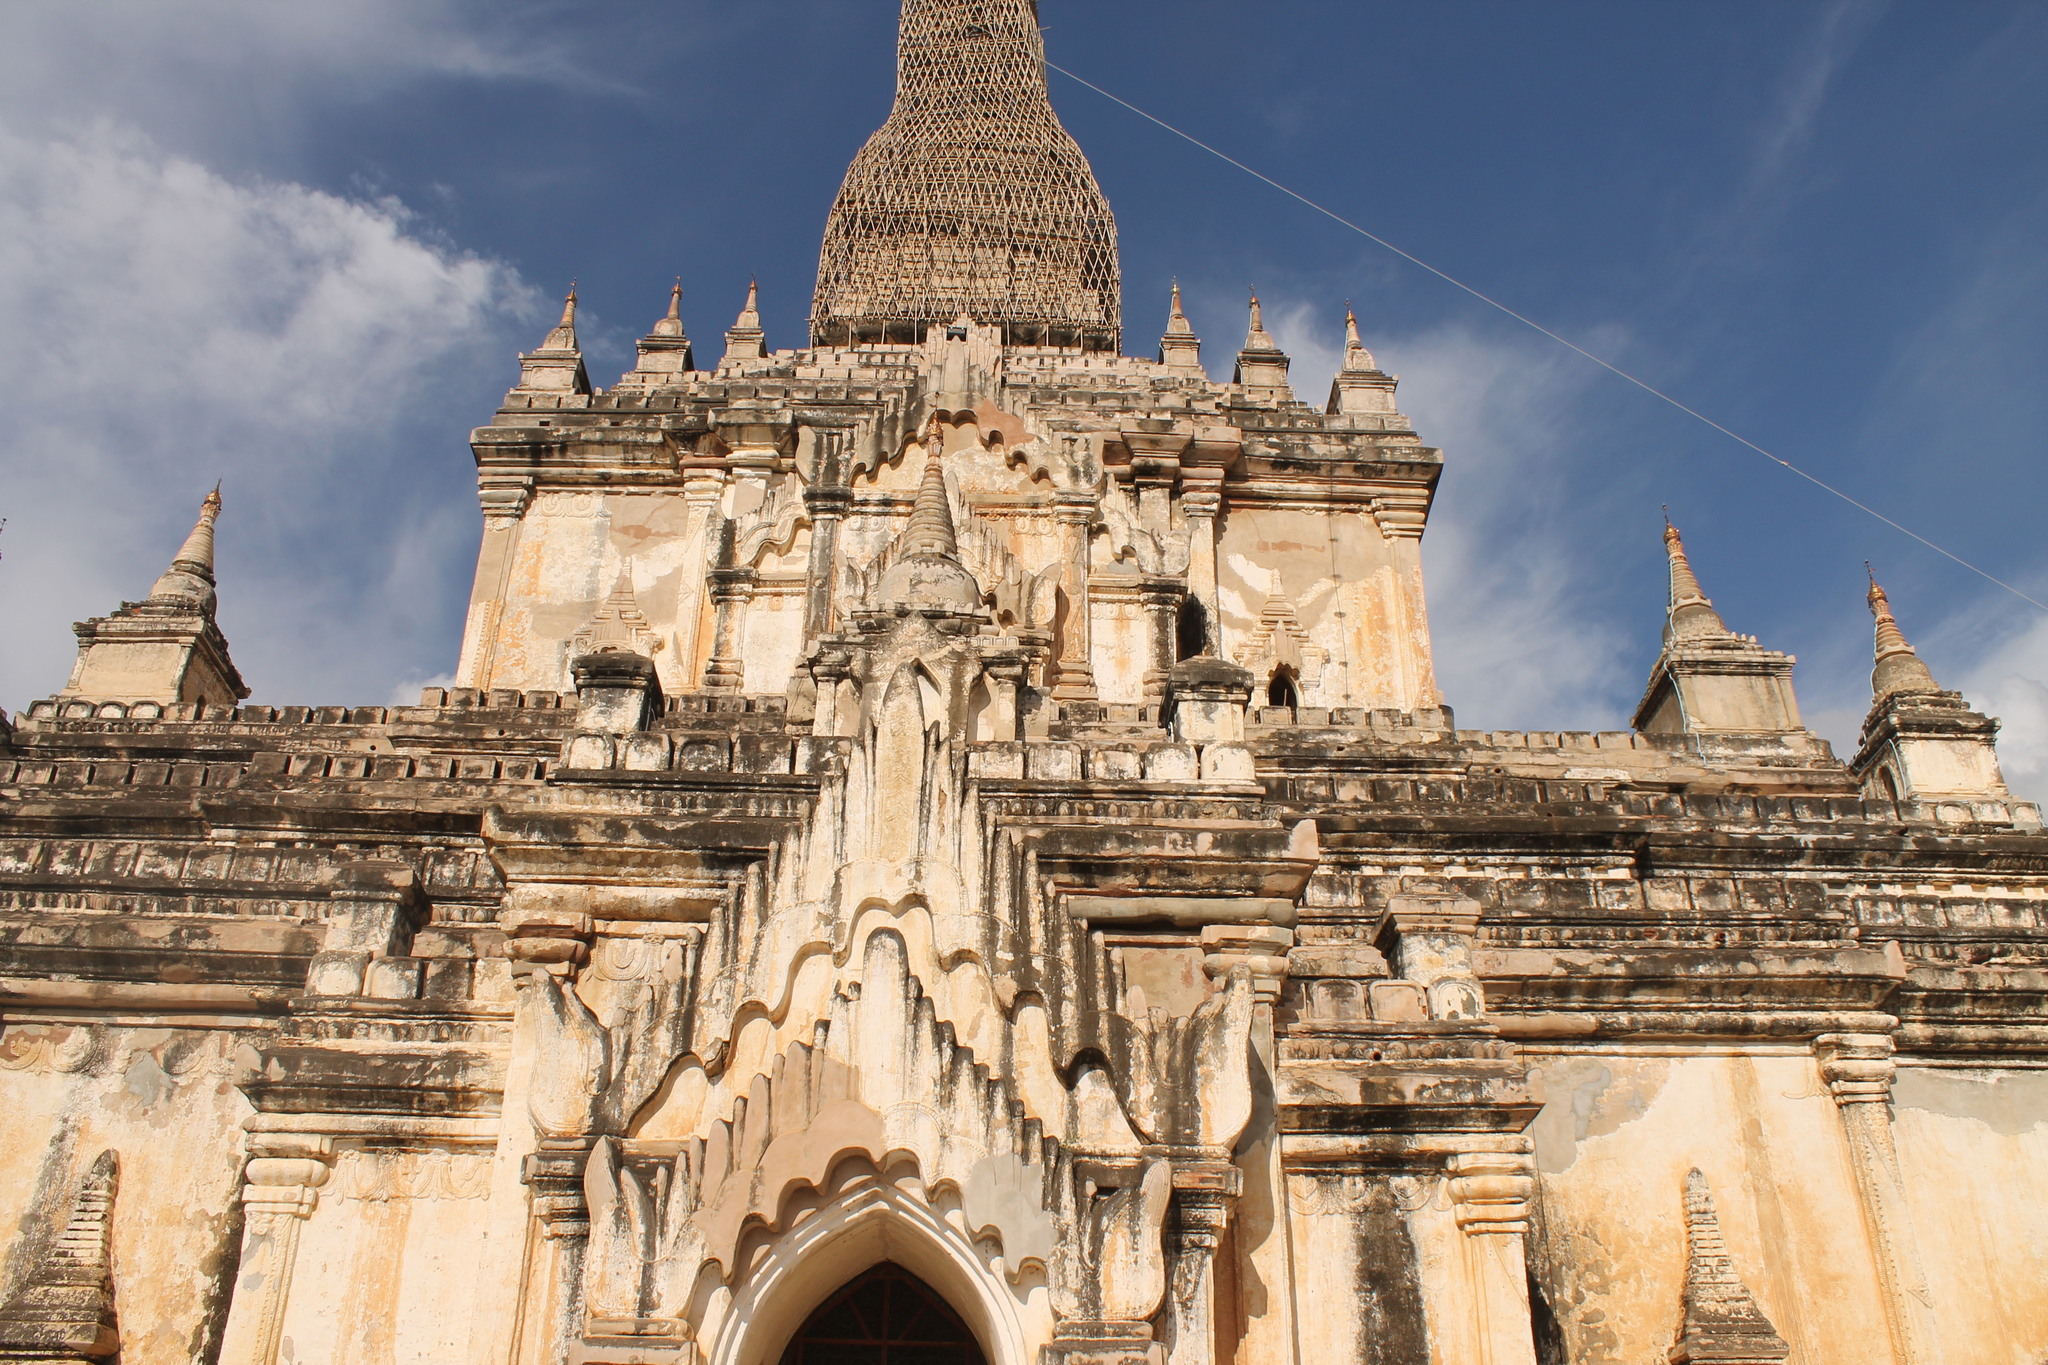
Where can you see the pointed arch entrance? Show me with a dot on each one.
(884, 1316)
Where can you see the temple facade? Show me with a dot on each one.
(948, 849)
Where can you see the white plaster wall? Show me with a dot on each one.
(383, 1259)
(1973, 1144)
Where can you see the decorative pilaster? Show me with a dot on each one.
(1858, 1069)
(561, 1226)
(1202, 1195)
(1489, 1191)
(1074, 679)
(504, 499)
(828, 501)
(568, 1069)
(1201, 502)
(1263, 1250)
(1161, 599)
(732, 587)
(280, 1190)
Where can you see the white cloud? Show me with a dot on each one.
(216, 73)
(162, 326)
(1518, 643)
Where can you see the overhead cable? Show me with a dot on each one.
(1531, 323)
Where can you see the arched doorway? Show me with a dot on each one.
(884, 1316)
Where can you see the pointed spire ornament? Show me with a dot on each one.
(190, 577)
(671, 325)
(745, 340)
(1180, 350)
(1721, 1321)
(925, 572)
(665, 353)
(166, 648)
(1262, 365)
(64, 1310)
(618, 626)
(1357, 359)
(1920, 743)
(557, 367)
(1691, 614)
(1361, 387)
(1708, 679)
(563, 337)
(931, 517)
(1898, 667)
(1258, 338)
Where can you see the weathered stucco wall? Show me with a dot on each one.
(386, 1261)
(1617, 1134)
(1974, 1144)
(165, 1101)
(1329, 597)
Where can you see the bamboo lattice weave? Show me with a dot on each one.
(972, 198)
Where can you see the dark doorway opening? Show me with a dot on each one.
(885, 1316)
(1191, 628)
(1282, 691)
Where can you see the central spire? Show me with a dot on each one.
(971, 198)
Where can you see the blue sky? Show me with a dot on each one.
(297, 246)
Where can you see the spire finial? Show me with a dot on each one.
(1180, 350)
(671, 324)
(1258, 339)
(563, 337)
(930, 531)
(190, 577)
(1691, 612)
(1899, 668)
(1177, 324)
(745, 340)
(1357, 359)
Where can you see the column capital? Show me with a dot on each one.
(1162, 591)
(828, 502)
(554, 1174)
(1401, 516)
(1261, 947)
(1857, 1067)
(284, 1173)
(732, 585)
(1490, 1191)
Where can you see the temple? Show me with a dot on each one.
(947, 846)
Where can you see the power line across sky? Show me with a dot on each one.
(1561, 340)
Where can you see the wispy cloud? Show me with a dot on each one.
(1802, 96)
(1519, 640)
(168, 326)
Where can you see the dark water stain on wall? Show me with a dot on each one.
(1392, 1316)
